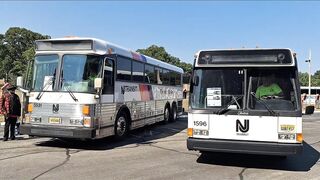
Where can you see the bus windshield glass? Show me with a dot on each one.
(218, 88)
(79, 71)
(45, 67)
(272, 88)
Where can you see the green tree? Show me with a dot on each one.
(303, 78)
(315, 80)
(161, 54)
(16, 49)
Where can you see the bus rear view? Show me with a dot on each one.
(245, 101)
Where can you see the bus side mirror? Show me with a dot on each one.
(196, 80)
(19, 82)
(98, 83)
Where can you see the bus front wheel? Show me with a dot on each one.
(121, 126)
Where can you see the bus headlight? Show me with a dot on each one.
(26, 118)
(87, 121)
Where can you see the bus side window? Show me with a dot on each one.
(159, 75)
(108, 79)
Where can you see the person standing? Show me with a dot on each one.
(11, 109)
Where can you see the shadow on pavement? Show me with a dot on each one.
(136, 137)
(302, 162)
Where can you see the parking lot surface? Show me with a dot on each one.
(154, 152)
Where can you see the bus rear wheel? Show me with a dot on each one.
(166, 114)
(173, 114)
(121, 126)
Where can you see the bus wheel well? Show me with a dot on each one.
(125, 109)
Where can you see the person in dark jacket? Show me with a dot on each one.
(10, 107)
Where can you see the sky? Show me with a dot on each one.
(181, 27)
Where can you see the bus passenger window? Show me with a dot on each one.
(124, 69)
(172, 78)
(159, 75)
(149, 74)
(137, 71)
(166, 77)
(178, 79)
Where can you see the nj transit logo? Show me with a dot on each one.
(242, 127)
(55, 108)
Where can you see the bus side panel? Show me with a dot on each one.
(107, 119)
(150, 112)
(138, 114)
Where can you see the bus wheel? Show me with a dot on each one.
(173, 114)
(166, 114)
(121, 126)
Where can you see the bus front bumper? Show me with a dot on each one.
(59, 132)
(245, 147)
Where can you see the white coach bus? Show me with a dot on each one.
(245, 101)
(87, 88)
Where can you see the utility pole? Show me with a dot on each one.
(309, 63)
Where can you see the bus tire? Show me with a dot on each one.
(166, 114)
(121, 126)
(173, 113)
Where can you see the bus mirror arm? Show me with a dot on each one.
(20, 84)
(25, 91)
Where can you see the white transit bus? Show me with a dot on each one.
(245, 101)
(88, 88)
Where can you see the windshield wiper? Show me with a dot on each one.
(71, 93)
(225, 108)
(48, 83)
(272, 112)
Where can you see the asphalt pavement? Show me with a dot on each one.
(154, 152)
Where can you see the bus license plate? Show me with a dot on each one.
(54, 120)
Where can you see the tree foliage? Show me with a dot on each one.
(161, 54)
(16, 49)
(304, 79)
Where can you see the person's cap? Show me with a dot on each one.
(12, 88)
(6, 86)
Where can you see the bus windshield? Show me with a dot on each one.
(267, 89)
(79, 71)
(218, 88)
(45, 67)
(272, 88)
